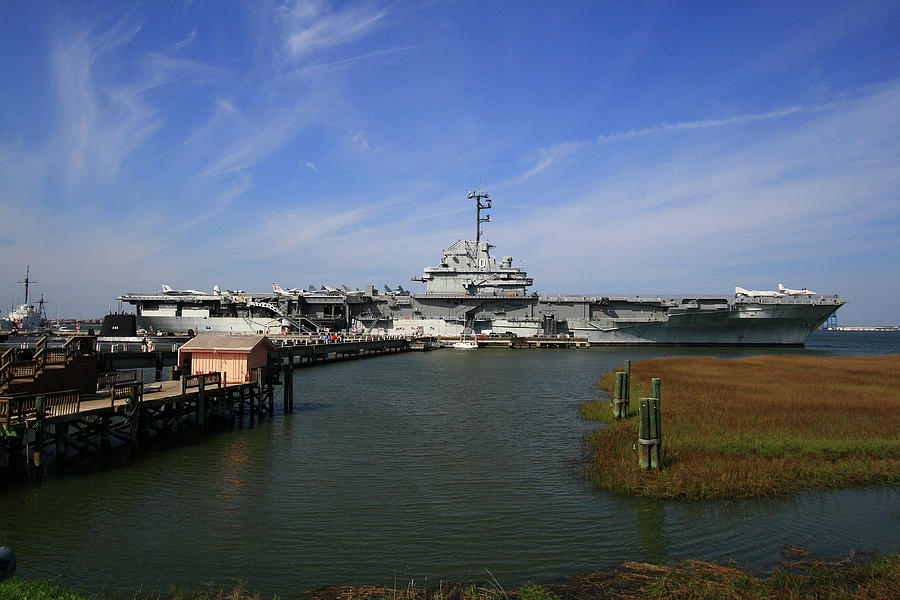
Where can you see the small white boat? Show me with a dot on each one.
(464, 344)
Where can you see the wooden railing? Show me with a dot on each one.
(16, 409)
(6, 367)
(194, 381)
(109, 379)
(124, 391)
(21, 369)
(43, 357)
(62, 403)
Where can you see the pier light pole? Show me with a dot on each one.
(479, 196)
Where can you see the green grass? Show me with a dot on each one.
(17, 588)
(756, 426)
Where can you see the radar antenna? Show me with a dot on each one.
(479, 206)
(42, 313)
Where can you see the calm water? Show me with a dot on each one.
(441, 465)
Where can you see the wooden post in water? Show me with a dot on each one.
(270, 388)
(260, 389)
(38, 454)
(158, 365)
(60, 432)
(104, 434)
(4, 456)
(201, 404)
(14, 443)
(134, 422)
(288, 399)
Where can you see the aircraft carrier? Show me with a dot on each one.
(470, 292)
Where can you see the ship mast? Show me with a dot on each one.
(479, 196)
(26, 282)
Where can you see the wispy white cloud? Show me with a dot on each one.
(556, 154)
(310, 26)
(549, 156)
(345, 62)
(312, 166)
(102, 123)
(703, 124)
(819, 188)
(188, 40)
(361, 140)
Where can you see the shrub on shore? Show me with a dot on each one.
(756, 426)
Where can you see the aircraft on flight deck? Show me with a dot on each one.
(739, 291)
(168, 291)
(790, 292)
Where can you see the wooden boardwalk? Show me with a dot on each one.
(70, 426)
(73, 429)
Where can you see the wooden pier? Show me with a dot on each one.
(77, 427)
(66, 406)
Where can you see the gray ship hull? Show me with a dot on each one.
(611, 321)
(236, 325)
(472, 292)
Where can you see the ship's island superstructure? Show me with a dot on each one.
(470, 292)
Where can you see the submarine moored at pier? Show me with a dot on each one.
(471, 292)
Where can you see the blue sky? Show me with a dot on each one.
(630, 148)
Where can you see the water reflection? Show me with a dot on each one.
(433, 464)
(651, 521)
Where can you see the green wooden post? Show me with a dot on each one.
(627, 391)
(644, 434)
(618, 397)
(656, 449)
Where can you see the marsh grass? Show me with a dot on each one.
(20, 588)
(799, 576)
(756, 426)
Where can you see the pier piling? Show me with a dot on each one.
(650, 431)
(620, 400)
